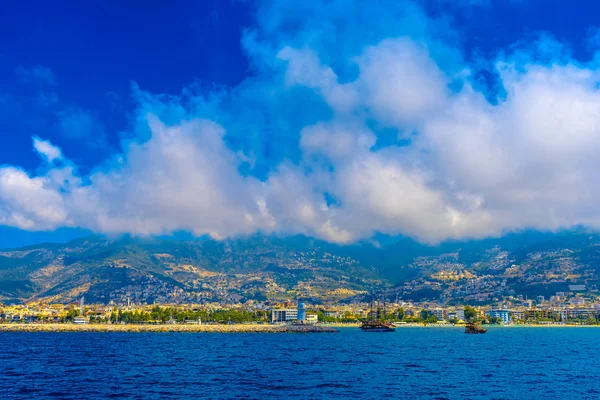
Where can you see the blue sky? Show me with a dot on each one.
(94, 51)
(276, 80)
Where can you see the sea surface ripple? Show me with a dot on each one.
(440, 363)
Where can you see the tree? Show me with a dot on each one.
(401, 314)
(322, 318)
(71, 314)
(470, 313)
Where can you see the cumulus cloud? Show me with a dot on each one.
(529, 160)
(319, 100)
(304, 68)
(184, 177)
(29, 202)
(46, 149)
(400, 82)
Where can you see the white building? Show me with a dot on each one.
(332, 314)
(81, 320)
(312, 318)
(458, 314)
(517, 315)
(439, 313)
(577, 301)
(284, 314)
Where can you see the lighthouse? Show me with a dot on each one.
(301, 312)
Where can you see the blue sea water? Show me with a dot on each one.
(441, 363)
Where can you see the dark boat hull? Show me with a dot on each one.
(377, 326)
(472, 329)
(382, 329)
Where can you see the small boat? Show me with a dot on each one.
(377, 326)
(474, 328)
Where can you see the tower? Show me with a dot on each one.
(301, 312)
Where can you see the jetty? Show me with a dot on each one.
(209, 328)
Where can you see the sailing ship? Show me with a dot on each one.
(378, 324)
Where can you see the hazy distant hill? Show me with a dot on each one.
(260, 267)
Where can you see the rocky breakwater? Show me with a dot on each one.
(235, 328)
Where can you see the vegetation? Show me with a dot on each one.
(494, 320)
(166, 314)
(470, 314)
(401, 314)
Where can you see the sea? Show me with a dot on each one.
(411, 363)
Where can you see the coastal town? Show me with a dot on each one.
(262, 280)
(572, 307)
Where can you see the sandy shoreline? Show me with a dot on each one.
(239, 328)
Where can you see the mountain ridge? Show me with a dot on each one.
(264, 267)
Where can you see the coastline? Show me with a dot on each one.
(450, 326)
(498, 326)
(237, 328)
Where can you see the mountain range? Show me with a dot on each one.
(275, 268)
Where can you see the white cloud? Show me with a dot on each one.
(340, 140)
(472, 168)
(304, 68)
(400, 83)
(28, 203)
(46, 149)
(184, 177)
(531, 159)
